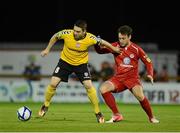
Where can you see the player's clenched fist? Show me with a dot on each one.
(44, 52)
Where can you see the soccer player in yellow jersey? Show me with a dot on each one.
(74, 58)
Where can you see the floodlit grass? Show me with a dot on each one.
(80, 118)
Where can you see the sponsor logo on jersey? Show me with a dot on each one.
(123, 65)
(126, 60)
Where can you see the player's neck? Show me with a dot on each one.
(128, 44)
(81, 38)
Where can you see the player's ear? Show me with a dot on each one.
(129, 37)
(84, 31)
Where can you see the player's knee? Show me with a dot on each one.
(87, 84)
(53, 85)
(104, 88)
(54, 82)
(140, 97)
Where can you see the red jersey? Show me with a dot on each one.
(126, 63)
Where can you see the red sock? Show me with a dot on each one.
(146, 107)
(110, 101)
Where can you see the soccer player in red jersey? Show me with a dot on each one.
(126, 74)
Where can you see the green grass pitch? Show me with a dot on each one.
(79, 117)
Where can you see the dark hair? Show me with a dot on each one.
(81, 23)
(125, 29)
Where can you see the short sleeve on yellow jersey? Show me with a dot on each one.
(95, 39)
(63, 33)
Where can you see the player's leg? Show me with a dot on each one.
(108, 97)
(58, 76)
(84, 76)
(49, 93)
(92, 95)
(137, 91)
(106, 90)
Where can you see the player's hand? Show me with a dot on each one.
(117, 49)
(44, 52)
(151, 79)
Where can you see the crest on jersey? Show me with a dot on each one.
(126, 60)
(77, 45)
(131, 55)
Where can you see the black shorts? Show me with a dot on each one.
(63, 70)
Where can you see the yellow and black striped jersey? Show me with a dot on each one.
(75, 52)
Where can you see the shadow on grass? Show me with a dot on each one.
(53, 119)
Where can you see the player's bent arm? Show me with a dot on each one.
(108, 45)
(52, 41)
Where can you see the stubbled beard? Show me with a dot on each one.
(79, 38)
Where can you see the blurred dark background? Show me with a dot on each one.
(37, 21)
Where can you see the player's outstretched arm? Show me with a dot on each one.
(108, 45)
(52, 41)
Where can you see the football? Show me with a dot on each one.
(24, 113)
